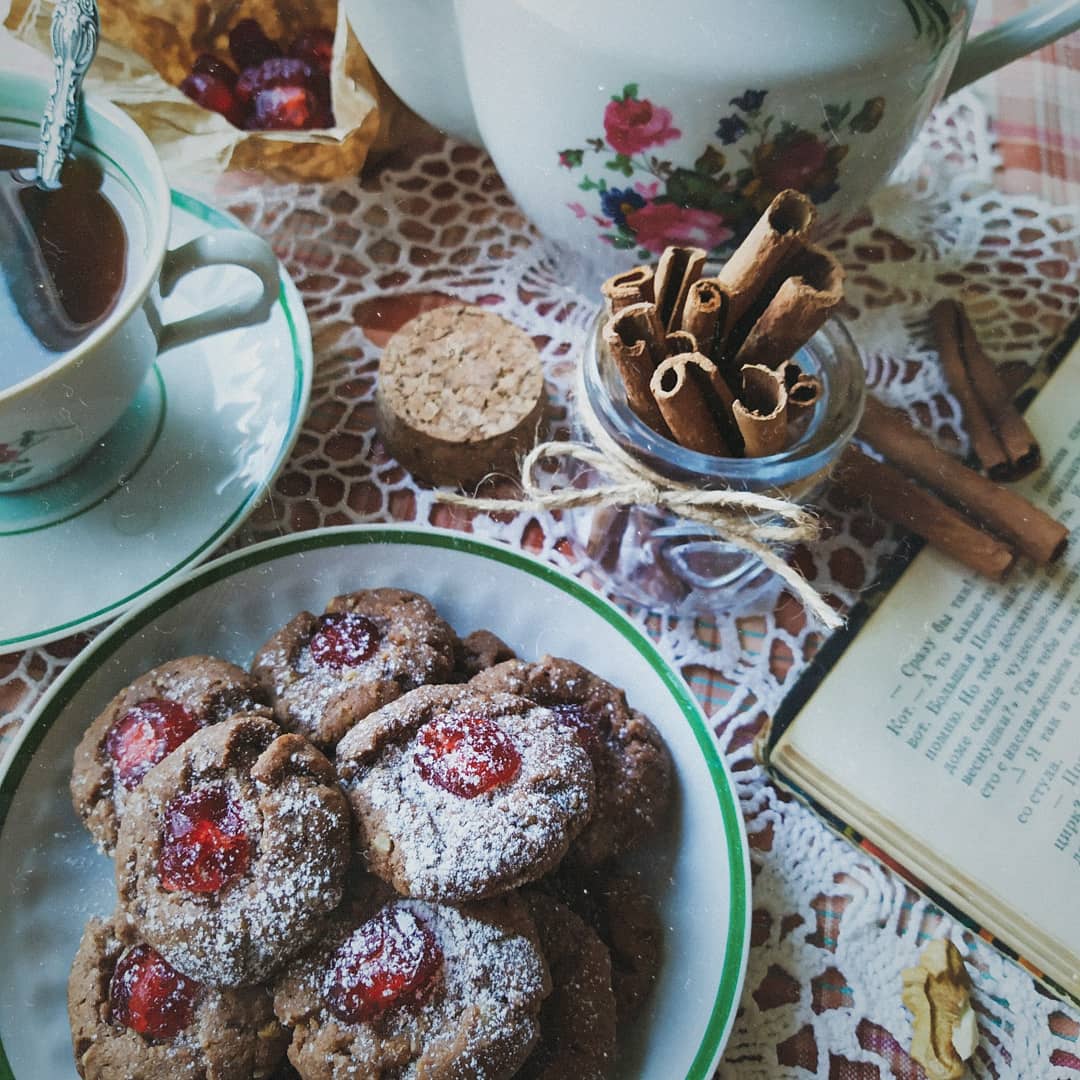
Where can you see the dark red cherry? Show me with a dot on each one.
(205, 844)
(208, 64)
(145, 734)
(465, 755)
(249, 46)
(343, 639)
(388, 962)
(213, 93)
(149, 996)
(316, 47)
(589, 725)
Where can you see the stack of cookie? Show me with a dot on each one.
(437, 903)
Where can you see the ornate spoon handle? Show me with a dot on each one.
(75, 29)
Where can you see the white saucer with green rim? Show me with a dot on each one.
(697, 867)
(181, 470)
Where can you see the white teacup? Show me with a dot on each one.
(51, 419)
(622, 127)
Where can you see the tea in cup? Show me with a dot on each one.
(74, 361)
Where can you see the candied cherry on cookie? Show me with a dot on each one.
(588, 723)
(145, 734)
(465, 755)
(205, 843)
(388, 962)
(343, 639)
(148, 995)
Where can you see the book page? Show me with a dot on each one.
(954, 716)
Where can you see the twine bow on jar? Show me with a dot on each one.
(733, 515)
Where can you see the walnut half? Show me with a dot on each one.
(938, 993)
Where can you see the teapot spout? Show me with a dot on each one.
(415, 47)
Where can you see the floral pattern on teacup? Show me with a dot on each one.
(15, 457)
(651, 203)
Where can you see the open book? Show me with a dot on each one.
(943, 725)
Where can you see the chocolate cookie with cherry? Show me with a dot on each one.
(460, 795)
(415, 989)
(632, 763)
(233, 850)
(326, 672)
(577, 1021)
(146, 721)
(134, 1016)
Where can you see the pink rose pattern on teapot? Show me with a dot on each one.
(714, 203)
(651, 203)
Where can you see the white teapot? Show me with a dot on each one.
(622, 127)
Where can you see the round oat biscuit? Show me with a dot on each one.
(207, 689)
(460, 795)
(577, 1021)
(223, 1034)
(632, 763)
(463, 1003)
(460, 395)
(233, 850)
(320, 691)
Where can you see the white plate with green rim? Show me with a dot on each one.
(697, 869)
(177, 475)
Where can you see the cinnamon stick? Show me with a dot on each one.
(1020, 445)
(678, 269)
(985, 443)
(630, 287)
(718, 395)
(778, 233)
(705, 315)
(1035, 533)
(635, 339)
(761, 412)
(683, 404)
(894, 497)
(803, 389)
(797, 311)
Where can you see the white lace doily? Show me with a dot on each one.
(832, 929)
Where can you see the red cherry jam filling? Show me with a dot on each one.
(205, 845)
(389, 962)
(149, 996)
(465, 755)
(145, 734)
(343, 639)
(589, 724)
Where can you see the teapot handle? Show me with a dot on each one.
(1016, 37)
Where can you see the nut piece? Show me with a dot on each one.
(938, 993)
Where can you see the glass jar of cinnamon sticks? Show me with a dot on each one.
(663, 559)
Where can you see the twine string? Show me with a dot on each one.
(733, 515)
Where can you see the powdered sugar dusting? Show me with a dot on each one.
(436, 844)
(482, 1009)
(299, 831)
